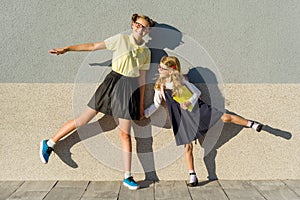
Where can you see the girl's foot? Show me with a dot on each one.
(259, 127)
(255, 125)
(45, 151)
(193, 180)
(130, 183)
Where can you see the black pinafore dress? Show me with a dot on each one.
(189, 126)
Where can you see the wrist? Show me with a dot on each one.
(67, 48)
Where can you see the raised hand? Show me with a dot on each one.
(58, 51)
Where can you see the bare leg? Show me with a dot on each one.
(228, 118)
(71, 125)
(125, 126)
(188, 152)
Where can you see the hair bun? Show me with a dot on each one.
(136, 16)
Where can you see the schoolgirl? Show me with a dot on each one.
(190, 116)
(122, 92)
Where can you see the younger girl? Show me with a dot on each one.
(191, 118)
(118, 95)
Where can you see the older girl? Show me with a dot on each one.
(118, 95)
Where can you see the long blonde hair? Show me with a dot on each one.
(172, 63)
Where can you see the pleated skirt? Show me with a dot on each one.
(118, 96)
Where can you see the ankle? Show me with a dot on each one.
(127, 175)
(193, 177)
(51, 143)
(255, 125)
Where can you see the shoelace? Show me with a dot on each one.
(131, 179)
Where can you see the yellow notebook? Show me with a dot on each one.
(185, 96)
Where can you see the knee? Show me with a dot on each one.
(226, 118)
(188, 148)
(124, 135)
(79, 122)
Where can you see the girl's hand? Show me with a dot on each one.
(185, 105)
(58, 51)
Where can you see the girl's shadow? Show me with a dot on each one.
(206, 81)
(63, 147)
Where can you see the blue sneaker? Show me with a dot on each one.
(131, 184)
(45, 151)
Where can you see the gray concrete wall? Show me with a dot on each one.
(255, 47)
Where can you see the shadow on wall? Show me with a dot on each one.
(63, 147)
(164, 36)
(197, 76)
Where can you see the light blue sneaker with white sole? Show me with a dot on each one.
(45, 151)
(130, 183)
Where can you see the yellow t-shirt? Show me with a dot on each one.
(128, 57)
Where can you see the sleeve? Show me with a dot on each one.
(146, 65)
(113, 42)
(156, 102)
(196, 92)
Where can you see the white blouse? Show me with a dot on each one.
(158, 97)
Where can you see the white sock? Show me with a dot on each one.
(127, 175)
(254, 125)
(193, 176)
(50, 143)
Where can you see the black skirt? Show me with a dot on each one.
(189, 126)
(118, 96)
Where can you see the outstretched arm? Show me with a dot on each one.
(80, 47)
(157, 99)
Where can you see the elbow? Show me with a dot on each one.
(98, 46)
(93, 47)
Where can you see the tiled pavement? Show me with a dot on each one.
(92, 190)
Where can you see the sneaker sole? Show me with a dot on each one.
(193, 184)
(131, 187)
(259, 128)
(41, 154)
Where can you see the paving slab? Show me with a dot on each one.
(172, 190)
(293, 185)
(37, 186)
(67, 190)
(275, 190)
(102, 190)
(32, 190)
(207, 190)
(146, 192)
(72, 184)
(65, 194)
(240, 190)
(7, 188)
(28, 195)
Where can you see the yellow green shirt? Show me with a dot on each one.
(128, 57)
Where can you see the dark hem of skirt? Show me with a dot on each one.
(117, 96)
